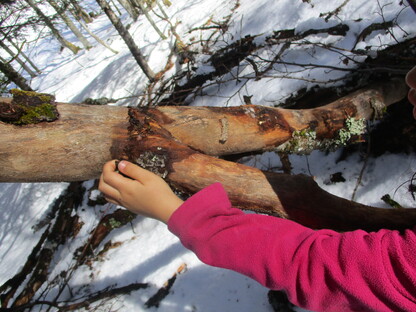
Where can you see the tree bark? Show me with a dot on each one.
(20, 52)
(129, 9)
(247, 128)
(79, 12)
(143, 9)
(17, 58)
(77, 145)
(98, 39)
(73, 148)
(128, 39)
(70, 24)
(65, 43)
(87, 133)
(14, 76)
(296, 197)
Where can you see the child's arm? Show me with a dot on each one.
(145, 194)
(319, 270)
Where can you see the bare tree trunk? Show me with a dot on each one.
(79, 12)
(232, 130)
(73, 148)
(162, 10)
(77, 145)
(149, 18)
(65, 43)
(116, 7)
(130, 9)
(20, 52)
(14, 76)
(70, 24)
(247, 128)
(98, 39)
(296, 197)
(17, 59)
(128, 39)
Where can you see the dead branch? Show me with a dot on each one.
(36, 268)
(64, 306)
(176, 142)
(75, 147)
(295, 197)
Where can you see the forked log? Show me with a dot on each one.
(232, 130)
(176, 143)
(296, 197)
(75, 147)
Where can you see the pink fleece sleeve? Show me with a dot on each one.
(319, 270)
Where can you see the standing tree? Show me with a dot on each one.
(83, 19)
(127, 5)
(128, 39)
(144, 9)
(14, 76)
(98, 39)
(70, 24)
(65, 43)
(79, 13)
(17, 58)
(20, 52)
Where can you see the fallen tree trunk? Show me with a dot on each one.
(231, 130)
(296, 197)
(72, 148)
(169, 141)
(75, 147)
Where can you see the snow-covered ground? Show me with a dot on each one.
(149, 253)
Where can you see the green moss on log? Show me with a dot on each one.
(32, 108)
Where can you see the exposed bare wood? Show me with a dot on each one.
(73, 148)
(231, 130)
(167, 139)
(296, 197)
(77, 145)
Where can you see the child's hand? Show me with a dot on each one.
(411, 82)
(147, 194)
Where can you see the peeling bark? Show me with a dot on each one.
(248, 128)
(178, 143)
(76, 146)
(296, 197)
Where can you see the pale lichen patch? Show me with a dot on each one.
(305, 141)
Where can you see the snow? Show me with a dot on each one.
(149, 253)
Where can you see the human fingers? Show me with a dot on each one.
(112, 201)
(113, 178)
(110, 166)
(412, 96)
(135, 172)
(110, 193)
(411, 78)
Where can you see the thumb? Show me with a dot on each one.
(133, 171)
(411, 78)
